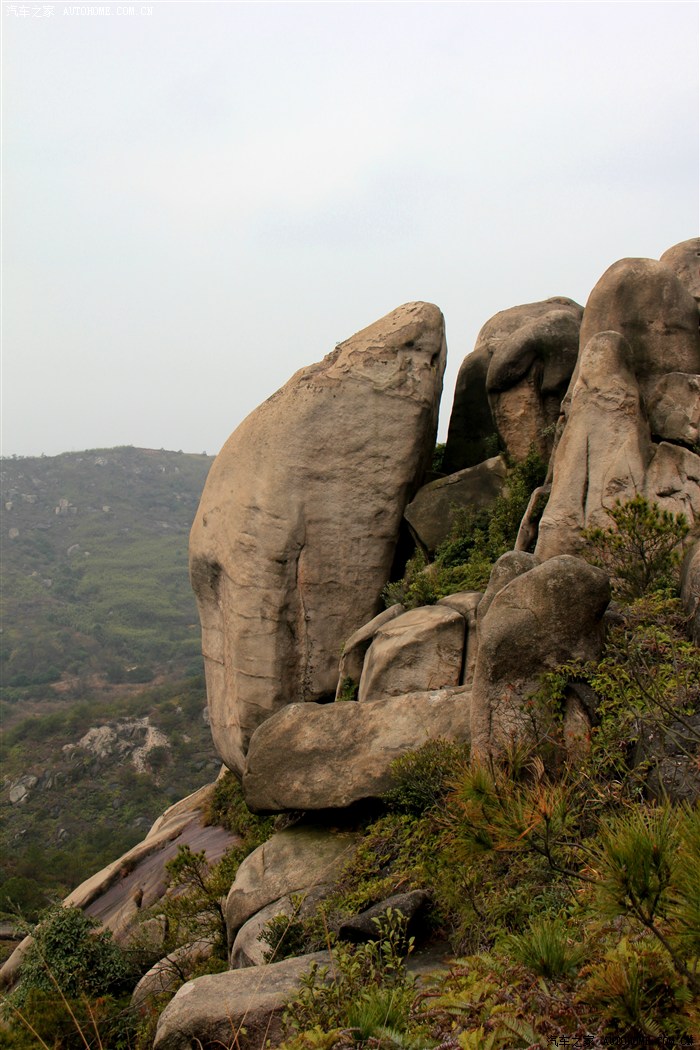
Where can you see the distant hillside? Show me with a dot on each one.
(95, 588)
(84, 783)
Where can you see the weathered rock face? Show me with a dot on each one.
(684, 260)
(673, 407)
(290, 862)
(604, 448)
(524, 358)
(644, 301)
(355, 650)
(327, 756)
(466, 603)
(250, 947)
(119, 894)
(606, 451)
(241, 1008)
(298, 523)
(472, 436)
(541, 618)
(421, 650)
(432, 513)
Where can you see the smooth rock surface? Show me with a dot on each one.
(544, 617)
(606, 452)
(524, 357)
(431, 514)
(673, 407)
(363, 927)
(355, 649)
(419, 651)
(645, 302)
(168, 972)
(466, 603)
(241, 1008)
(292, 861)
(327, 756)
(118, 894)
(249, 947)
(472, 436)
(296, 530)
(684, 260)
(604, 449)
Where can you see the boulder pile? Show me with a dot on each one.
(312, 690)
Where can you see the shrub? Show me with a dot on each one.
(71, 952)
(545, 948)
(70, 983)
(640, 549)
(370, 987)
(422, 777)
(476, 540)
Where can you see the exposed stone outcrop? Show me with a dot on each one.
(241, 1008)
(645, 302)
(522, 362)
(541, 618)
(297, 527)
(292, 861)
(363, 927)
(432, 513)
(684, 260)
(466, 603)
(119, 894)
(168, 973)
(673, 407)
(421, 650)
(249, 946)
(606, 451)
(355, 650)
(320, 756)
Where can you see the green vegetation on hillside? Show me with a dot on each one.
(84, 809)
(477, 539)
(94, 569)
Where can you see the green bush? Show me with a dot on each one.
(422, 777)
(366, 989)
(640, 550)
(477, 539)
(545, 947)
(71, 981)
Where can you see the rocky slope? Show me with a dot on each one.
(313, 695)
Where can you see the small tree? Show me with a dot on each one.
(639, 550)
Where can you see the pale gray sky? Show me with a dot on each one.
(201, 197)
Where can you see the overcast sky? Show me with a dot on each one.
(201, 197)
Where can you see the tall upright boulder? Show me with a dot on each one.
(297, 527)
(645, 301)
(630, 417)
(684, 260)
(511, 386)
(541, 617)
(603, 451)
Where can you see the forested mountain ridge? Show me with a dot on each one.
(94, 568)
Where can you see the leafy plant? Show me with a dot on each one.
(545, 947)
(640, 549)
(367, 987)
(348, 690)
(477, 539)
(422, 777)
(70, 983)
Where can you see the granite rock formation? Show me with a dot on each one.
(295, 534)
